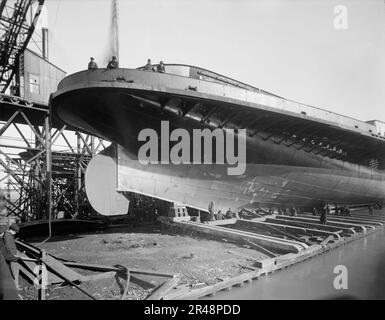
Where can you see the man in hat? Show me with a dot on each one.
(160, 68)
(113, 64)
(92, 64)
(148, 66)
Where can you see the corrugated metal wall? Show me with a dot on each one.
(38, 77)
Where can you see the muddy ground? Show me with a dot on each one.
(200, 261)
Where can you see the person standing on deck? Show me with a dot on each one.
(92, 64)
(160, 68)
(148, 66)
(113, 64)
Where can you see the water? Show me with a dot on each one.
(313, 279)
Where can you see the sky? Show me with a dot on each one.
(289, 47)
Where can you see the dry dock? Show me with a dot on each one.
(207, 259)
(290, 240)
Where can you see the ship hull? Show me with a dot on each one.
(276, 175)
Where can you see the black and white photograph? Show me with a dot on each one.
(198, 152)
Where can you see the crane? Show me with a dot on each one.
(16, 29)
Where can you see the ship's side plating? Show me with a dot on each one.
(296, 155)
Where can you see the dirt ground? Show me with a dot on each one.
(200, 261)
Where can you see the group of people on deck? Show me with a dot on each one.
(113, 64)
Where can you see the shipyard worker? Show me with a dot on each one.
(327, 209)
(148, 66)
(293, 212)
(323, 217)
(315, 211)
(8, 289)
(160, 68)
(113, 64)
(229, 214)
(220, 215)
(211, 210)
(370, 210)
(9, 251)
(92, 64)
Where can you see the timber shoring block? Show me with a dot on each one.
(160, 292)
(328, 239)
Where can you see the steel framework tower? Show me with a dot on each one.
(16, 29)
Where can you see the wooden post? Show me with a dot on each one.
(42, 276)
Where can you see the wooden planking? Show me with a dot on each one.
(365, 222)
(266, 241)
(97, 267)
(279, 263)
(298, 230)
(311, 225)
(60, 269)
(329, 223)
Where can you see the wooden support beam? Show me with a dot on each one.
(57, 267)
(99, 276)
(329, 223)
(327, 240)
(41, 276)
(164, 288)
(262, 249)
(268, 241)
(312, 225)
(96, 267)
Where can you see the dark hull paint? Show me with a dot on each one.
(276, 175)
